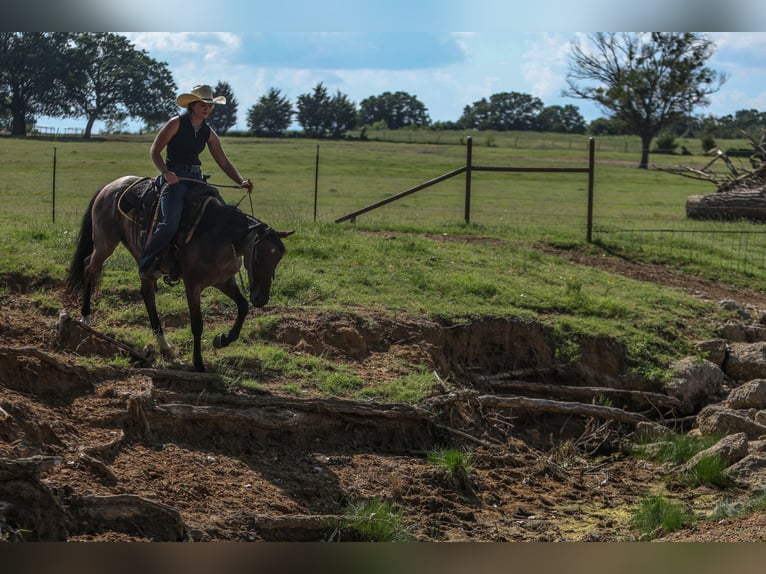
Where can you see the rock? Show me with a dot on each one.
(750, 395)
(731, 449)
(695, 382)
(746, 361)
(741, 332)
(756, 446)
(750, 471)
(714, 350)
(717, 419)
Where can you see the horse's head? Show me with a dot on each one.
(261, 259)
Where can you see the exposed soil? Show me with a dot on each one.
(122, 454)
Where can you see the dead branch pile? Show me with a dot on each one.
(741, 193)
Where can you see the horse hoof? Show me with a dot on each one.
(219, 341)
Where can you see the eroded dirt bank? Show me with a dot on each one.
(161, 454)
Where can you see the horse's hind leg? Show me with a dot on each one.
(93, 264)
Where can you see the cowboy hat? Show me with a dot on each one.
(203, 93)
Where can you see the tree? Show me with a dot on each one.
(342, 115)
(563, 119)
(503, 111)
(514, 111)
(271, 116)
(113, 80)
(646, 80)
(32, 68)
(313, 112)
(223, 118)
(397, 110)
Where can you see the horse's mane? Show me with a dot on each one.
(229, 223)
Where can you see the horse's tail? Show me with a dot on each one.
(76, 275)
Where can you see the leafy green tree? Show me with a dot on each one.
(112, 79)
(606, 127)
(397, 110)
(342, 115)
(313, 112)
(224, 118)
(476, 116)
(271, 116)
(562, 119)
(514, 111)
(503, 111)
(648, 81)
(33, 66)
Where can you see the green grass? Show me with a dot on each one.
(675, 449)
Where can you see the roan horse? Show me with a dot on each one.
(222, 237)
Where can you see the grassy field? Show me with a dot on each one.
(387, 260)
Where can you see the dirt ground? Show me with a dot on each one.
(133, 454)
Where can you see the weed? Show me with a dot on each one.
(725, 509)
(656, 515)
(708, 470)
(454, 461)
(377, 520)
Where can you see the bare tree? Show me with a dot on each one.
(647, 81)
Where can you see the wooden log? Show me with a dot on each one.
(545, 405)
(26, 468)
(83, 339)
(130, 514)
(587, 393)
(730, 205)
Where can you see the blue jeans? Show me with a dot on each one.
(171, 209)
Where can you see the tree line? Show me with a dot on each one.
(102, 76)
(644, 83)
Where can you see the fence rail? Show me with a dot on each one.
(469, 168)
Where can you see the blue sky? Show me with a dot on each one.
(445, 70)
(405, 46)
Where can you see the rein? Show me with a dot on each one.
(252, 212)
(252, 209)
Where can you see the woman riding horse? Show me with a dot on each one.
(185, 137)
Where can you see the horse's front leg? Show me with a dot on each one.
(231, 290)
(193, 295)
(148, 290)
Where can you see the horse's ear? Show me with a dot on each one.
(284, 234)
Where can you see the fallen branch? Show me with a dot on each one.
(568, 391)
(81, 338)
(465, 436)
(561, 407)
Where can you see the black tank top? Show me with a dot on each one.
(184, 148)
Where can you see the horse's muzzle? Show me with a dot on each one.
(259, 298)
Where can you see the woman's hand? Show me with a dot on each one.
(170, 177)
(247, 184)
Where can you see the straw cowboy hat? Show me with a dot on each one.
(203, 93)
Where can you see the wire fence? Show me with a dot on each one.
(735, 250)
